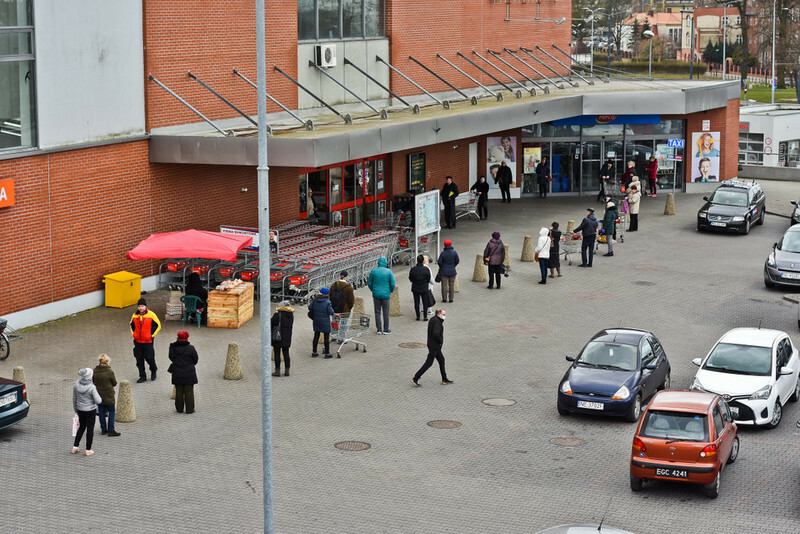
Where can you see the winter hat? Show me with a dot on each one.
(183, 335)
(448, 243)
(324, 291)
(86, 373)
(284, 303)
(141, 302)
(496, 235)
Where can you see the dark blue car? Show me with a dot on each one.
(614, 374)
(13, 402)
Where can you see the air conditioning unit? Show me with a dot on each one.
(326, 55)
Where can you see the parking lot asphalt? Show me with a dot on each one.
(515, 468)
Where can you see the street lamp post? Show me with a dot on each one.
(591, 43)
(773, 82)
(649, 34)
(724, 39)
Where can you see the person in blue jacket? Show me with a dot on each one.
(381, 283)
(320, 311)
(447, 262)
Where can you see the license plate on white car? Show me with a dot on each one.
(719, 224)
(671, 473)
(591, 405)
(734, 410)
(793, 276)
(8, 399)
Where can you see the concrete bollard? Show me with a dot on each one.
(669, 207)
(19, 376)
(126, 412)
(527, 249)
(570, 226)
(173, 393)
(479, 273)
(233, 365)
(394, 303)
(455, 285)
(507, 261)
(358, 305)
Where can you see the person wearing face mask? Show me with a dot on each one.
(481, 188)
(435, 342)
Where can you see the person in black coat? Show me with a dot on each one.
(503, 179)
(606, 175)
(541, 177)
(420, 278)
(588, 227)
(449, 194)
(195, 287)
(184, 376)
(435, 343)
(481, 188)
(283, 316)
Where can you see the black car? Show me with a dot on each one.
(13, 402)
(733, 207)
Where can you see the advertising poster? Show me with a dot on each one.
(500, 149)
(531, 156)
(665, 155)
(243, 230)
(705, 156)
(427, 206)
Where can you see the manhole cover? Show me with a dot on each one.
(567, 442)
(643, 283)
(499, 402)
(444, 424)
(412, 345)
(540, 384)
(352, 445)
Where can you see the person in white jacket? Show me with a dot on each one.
(543, 250)
(634, 198)
(85, 399)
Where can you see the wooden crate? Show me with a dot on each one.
(231, 308)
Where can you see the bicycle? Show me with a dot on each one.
(7, 335)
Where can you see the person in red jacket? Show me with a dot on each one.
(652, 170)
(144, 327)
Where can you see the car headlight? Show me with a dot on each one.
(696, 385)
(702, 214)
(771, 260)
(566, 388)
(761, 394)
(622, 393)
(737, 219)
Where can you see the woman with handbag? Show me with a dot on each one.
(542, 252)
(282, 323)
(634, 197)
(494, 255)
(420, 277)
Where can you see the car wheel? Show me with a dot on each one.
(636, 483)
(561, 411)
(712, 490)
(796, 395)
(761, 219)
(665, 385)
(636, 410)
(777, 413)
(734, 450)
(699, 229)
(746, 226)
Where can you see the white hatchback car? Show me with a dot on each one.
(755, 370)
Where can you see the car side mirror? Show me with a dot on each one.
(705, 198)
(697, 361)
(786, 371)
(793, 202)
(650, 367)
(570, 358)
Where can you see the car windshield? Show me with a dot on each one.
(675, 426)
(606, 355)
(790, 242)
(729, 197)
(740, 359)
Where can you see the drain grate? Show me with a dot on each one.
(352, 445)
(444, 424)
(499, 402)
(567, 442)
(412, 345)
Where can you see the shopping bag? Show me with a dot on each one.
(75, 424)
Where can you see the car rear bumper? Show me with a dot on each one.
(14, 416)
(696, 473)
(611, 407)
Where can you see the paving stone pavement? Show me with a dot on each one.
(517, 468)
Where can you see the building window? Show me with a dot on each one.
(751, 148)
(17, 75)
(321, 20)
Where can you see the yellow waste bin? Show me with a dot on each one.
(122, 289)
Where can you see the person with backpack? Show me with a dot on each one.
(420, 277)
(320, 311)
(341, 294)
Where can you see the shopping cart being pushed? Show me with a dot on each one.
(604, 235)
(347, 328)
(570, 244)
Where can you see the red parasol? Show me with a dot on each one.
(191, 244)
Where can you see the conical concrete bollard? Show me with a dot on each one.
(669, 207)
(358, 305)
(394, 303)
(126, 412)
(527, 249)
(455, 285)
(570, 226)
(173, 393)
(233, 365)
(507, 261)
(479, 273)
(19, 375)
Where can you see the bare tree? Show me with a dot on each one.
(741, 7)
(787, 40)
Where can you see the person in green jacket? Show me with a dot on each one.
(105, 381)
(609, 225)
(381, 283)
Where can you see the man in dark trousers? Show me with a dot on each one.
(435, 342)
(449, 194)
(504, 179)
(606, 175)
(588, 227)
(481, 188)
(144, 327)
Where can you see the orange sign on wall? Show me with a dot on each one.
(6, 193)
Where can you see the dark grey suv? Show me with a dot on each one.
(734, 207)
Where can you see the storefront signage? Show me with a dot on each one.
(706, 125)
(675, 143)
(593, 120)
(416, 172)
(6, 193)
(744, 126)
(239, 230)
(427, 206)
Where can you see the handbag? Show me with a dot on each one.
(438, 277)
(76, 423)
(431, 298)
(276, 330)
(536, 257)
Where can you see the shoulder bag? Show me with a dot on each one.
(276, 330)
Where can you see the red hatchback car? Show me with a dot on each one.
(684, 436)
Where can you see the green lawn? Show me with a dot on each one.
(760, 93)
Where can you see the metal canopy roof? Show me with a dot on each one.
(333, 142)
